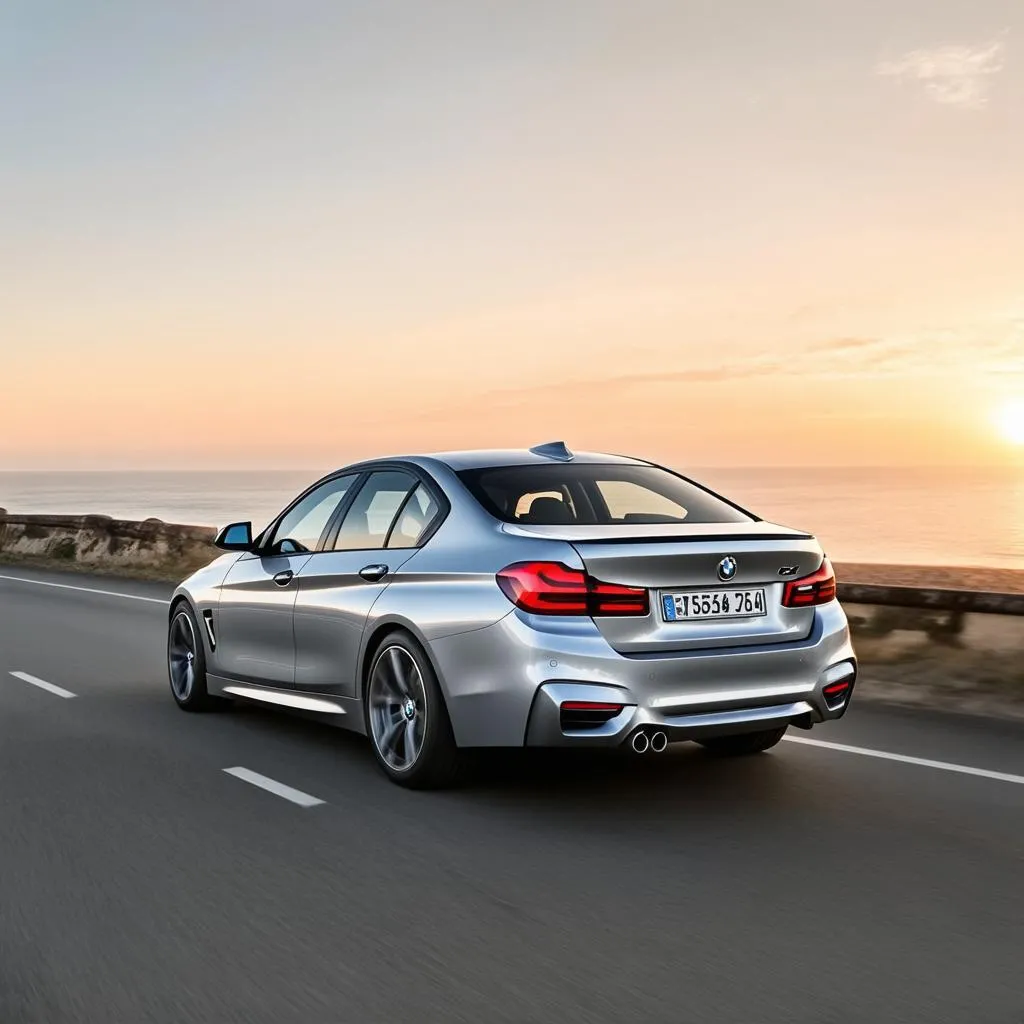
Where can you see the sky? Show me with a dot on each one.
(726, 233)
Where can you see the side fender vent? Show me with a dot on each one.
(208, 623)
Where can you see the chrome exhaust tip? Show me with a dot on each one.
(640, 743)
(659, 741)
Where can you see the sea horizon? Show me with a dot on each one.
(954, 516)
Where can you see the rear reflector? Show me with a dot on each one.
(550, 588)
(818, 588)
(838, 693)
(587, 714)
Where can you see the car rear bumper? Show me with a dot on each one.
(717, 714)
(505, 684)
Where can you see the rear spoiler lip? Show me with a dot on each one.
(723, 538)
(570, 537)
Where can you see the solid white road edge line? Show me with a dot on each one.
(924, 762)
(271, 786)
(42, 684)
(86, 590)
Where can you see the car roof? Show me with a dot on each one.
(494, 457)
(489, 458)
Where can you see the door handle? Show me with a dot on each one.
(373, 573)
(283, 578)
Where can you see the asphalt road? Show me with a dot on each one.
(141, 882)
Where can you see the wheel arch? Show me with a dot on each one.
(392, 624)
(177, 600)
(182, 598)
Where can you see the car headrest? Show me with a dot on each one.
(548, 512)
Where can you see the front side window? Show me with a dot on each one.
(302, 525)
(369, 517)
(595, 494)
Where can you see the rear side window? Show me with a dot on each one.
(595, 494)
(415, 518)
(369, 517)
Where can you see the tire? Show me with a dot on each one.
(186, 661)
(744, 742)
(406, 717)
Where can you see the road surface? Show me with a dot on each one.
(141, 881)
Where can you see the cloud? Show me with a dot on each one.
(976, 351)
(843, 344)
(1006, 358)
(955, 76)
(831, 358)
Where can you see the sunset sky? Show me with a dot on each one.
(715, 233)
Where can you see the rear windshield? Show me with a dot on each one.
(593, 494)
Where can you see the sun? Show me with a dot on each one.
(1010, 421)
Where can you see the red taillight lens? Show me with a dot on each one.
(818, 588)
(614, 599)
(545, 588)
(591, 705)
(836, 688)
(550, 588)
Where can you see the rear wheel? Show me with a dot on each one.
(406, 717)
(186, 661)
(745, 742)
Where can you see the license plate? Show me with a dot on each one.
(713, 604)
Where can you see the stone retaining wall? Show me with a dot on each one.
(101, 544)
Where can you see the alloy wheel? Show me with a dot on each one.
(181, 655)
(398, 708)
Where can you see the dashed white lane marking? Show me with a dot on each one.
(923, 762)
(85, 590)
(272, 786)
(42, 684)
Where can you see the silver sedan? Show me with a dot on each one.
(517, 598)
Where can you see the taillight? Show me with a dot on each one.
(614, 599)
(545, 588)
(550, 588)
(818, 588)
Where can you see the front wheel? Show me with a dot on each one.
(186, 661)
(406, 717)
(744, 742)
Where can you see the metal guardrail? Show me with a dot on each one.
(932, 598)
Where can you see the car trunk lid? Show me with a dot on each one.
(683, 560)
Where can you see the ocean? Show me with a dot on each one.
(956, 517)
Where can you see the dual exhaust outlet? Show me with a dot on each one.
(643, 741)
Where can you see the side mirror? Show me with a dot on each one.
(236, 537)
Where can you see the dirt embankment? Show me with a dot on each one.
(98, 544)
(999, 581)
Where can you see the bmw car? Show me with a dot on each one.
(526, 598)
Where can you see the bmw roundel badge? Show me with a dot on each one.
(727, 568)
